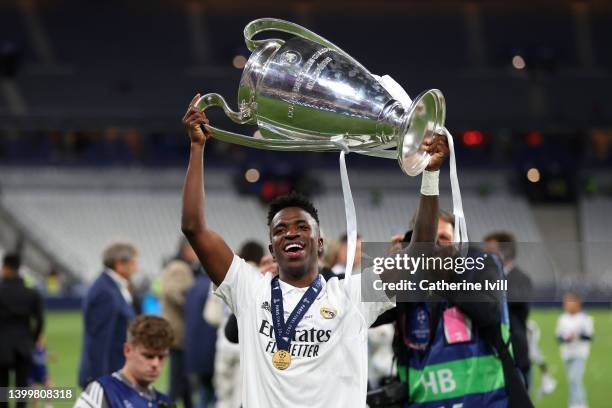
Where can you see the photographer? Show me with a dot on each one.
(452, 347)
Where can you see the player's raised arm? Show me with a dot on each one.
(426, 221)
(214, 254)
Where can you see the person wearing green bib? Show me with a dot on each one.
(453, 347)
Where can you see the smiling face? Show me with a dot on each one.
(295, 242)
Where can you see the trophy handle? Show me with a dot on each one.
(213, 99)
(274, 24)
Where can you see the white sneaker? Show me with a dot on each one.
(548, 384)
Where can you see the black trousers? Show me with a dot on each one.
(21, 367)
(179, 381)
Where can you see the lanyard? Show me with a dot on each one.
(284, 331)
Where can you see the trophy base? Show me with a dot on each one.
(425, 116)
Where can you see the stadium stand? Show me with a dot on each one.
(595, 221)
(76, 220)
(77, 224)
(595, 227)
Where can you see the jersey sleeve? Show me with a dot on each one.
(370, 309)
(239, 284)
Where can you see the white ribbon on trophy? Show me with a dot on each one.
(460, 230)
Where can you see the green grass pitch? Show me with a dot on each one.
(63, 333)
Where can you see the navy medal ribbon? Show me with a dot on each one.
(283, 332)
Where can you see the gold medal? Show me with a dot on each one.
(281, 359)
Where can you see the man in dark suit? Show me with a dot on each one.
(21, 322)
(519, 294)
(107, 312)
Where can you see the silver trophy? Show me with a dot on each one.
(306, 94)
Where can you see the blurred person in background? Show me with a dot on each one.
(177, 278)
(380, 354)
(151, 295)
(268, 264)
(547, 381)
(329, 258)
(200, 340)
(39, 374)
(53, 285)
(330, 253)
(145, 350)
(574, 334)
(21, 324)
(252, 252)
(339, 269)
(519, 288)
(107, 311)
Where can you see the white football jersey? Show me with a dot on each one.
(328, 351)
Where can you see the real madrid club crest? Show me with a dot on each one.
(328, 312)
(281, 359)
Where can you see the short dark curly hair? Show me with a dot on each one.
(292, 199)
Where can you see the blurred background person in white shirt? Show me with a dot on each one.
(574, 333)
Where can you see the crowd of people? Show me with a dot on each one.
(199, 333)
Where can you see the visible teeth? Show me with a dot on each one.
(292, 246)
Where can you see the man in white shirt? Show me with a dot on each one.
(303, 340)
